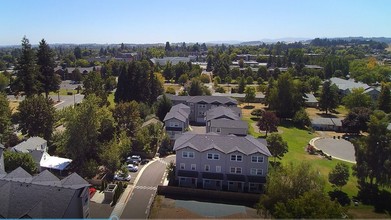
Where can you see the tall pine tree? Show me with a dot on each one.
(27, 72)
(384, 100)
(45, 60)
(329, 97)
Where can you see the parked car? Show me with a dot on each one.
(144, 161)
(132, 168)
(121, 177)
(134, 159)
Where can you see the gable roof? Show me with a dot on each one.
(205, 99)
(226, 123)
(41, 196)
(173, 60)
(33, 143)
(181, 106)
(180, 112)
(222, 112)
(310, 98)
(344, 84)
(225, 143)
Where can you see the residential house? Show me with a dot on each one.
(173, 60)
(176, 120)
(69, 72)
(37, 148)
(373, 92)
(346, 86)
(43, 196)
(33, 143)
(327, 124)
(127, 57)
(310, 100)
(199, 105)
(226, 120)
(221, 162)
(259, 96)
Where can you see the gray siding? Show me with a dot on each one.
(227, 131)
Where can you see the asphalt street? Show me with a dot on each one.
(144, 191)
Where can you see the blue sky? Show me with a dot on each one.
(153, 21)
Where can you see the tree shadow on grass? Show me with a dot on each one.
(248, 107)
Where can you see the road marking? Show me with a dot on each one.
(146, 187)
(149, 204)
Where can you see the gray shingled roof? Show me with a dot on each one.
(309, 97)
(344, 84)
(33, 143)
(222, 112)
(226, 123)
(207, 99)
(182, 106)
(42, 196)
(224, 143)
(173, 60)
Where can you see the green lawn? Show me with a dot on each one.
(297, 141)
(64, 92)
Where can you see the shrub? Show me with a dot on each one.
(220, 89)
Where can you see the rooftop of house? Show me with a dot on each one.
(173, 60)
(152, 120)
(181, 106)
(33, 143)
(344, 84)
(204, 99)
(224, 143)
(327, 121)
(226, 123)
(309, 97)
(41, 196)
(258, 95)
(222, 111)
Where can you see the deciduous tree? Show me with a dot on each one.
(36, 116)
(250, 94)
(277, 146)
(13, 160)
(357, 98)
(339, 175)
(268, 122)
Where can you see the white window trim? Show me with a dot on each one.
(236, 157)
(258, 160)
(182, 166)
(236, 169)
(256, 172)
(213, 156)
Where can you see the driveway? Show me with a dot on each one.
(337, 148)
(198, 129)
(141, 198)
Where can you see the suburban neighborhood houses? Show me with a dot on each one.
(197, 110)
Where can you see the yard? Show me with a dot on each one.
(297, 141)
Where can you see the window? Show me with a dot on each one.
(207, 168)
(212, 156)
(257, 159)
(201, 113)
(218, 130)
(218, 169)
(237, 170)
(182, 166)
(255, 171)
(174, 124)
(235, 157)
(201, 106)
(187, 154)
(193, 167)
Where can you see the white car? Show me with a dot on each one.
(119, 176)
(134, 159)
(132, 168)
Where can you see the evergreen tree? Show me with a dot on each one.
(329, 97)
(5, 118)
(45, 60)
(241, 85)
(27, 72)
(384, 100)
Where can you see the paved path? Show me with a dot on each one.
(338, 148)
(137, 199)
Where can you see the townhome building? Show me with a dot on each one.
(199, 105)
(221, 162)
(43, 196)
(226, 120)
(176, 120)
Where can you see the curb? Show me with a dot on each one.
(312, 143)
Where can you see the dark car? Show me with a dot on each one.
(144, 161)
